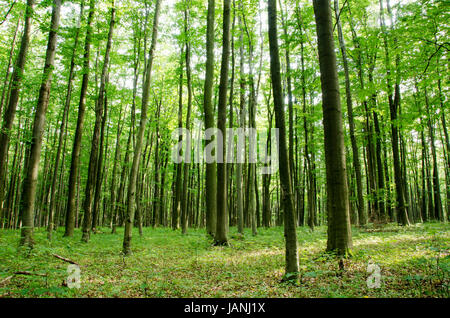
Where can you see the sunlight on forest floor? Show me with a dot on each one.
(414, 262)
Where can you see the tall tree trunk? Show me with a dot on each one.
(290, 234)
(112, 199)
(75, 162)
(437, 208)
(423, 197)
(290, 101)
(239, 165)
(306, 161)
(62, 132)
(156, 198)
(267, 213)
(31, 174)
(101, 168)
(140, 136)
(230, 165)
(7, 87)
(187, 155)
(16, 83)
(251, 203)
(118, 211)
(176, 211)
(393, 109)
(339, 230)
(211, 179)
(94, 153)
(348, 93)
(162, 207)
(7, 211)
(220, 236)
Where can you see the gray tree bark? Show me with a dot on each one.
(339, 230)
(32, 169)
(211, 179)
(75, 163)
(221, 237)
(94, 153)
(290, 234)
(140, 137)
(16, 84)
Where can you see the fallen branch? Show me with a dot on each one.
(22, 273)
(65, 259)
(29, 273)
(6, 279)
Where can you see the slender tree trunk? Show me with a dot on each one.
(62, 132)
(211, 179)
(6, 87)
(437, 208)
(290, 234)
(267, 212)
(251, 203)
(220, 236)
(16, 83)
(156, 197)
(424, 207)
(100, 168)
(239, 165)
(393, 108)
(290, 101)
(355, 152)
(137, 151)
(7, 211)
(112, 201)
(162, 208)
(187, 154)
(176, 211)
(75, 162)
(118, 211)
(94, 153)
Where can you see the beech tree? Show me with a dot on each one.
(220, 236)
(75, 162)
(29, 183)
(290, 235)
(210, 177)
(16, 82)
(94, 153)
(339, 230)
(140, 136)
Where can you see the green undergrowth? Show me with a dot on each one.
(413, 261)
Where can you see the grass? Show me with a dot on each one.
(414, 262)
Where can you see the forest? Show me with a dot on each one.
(224, 148)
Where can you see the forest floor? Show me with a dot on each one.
(413, 261)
